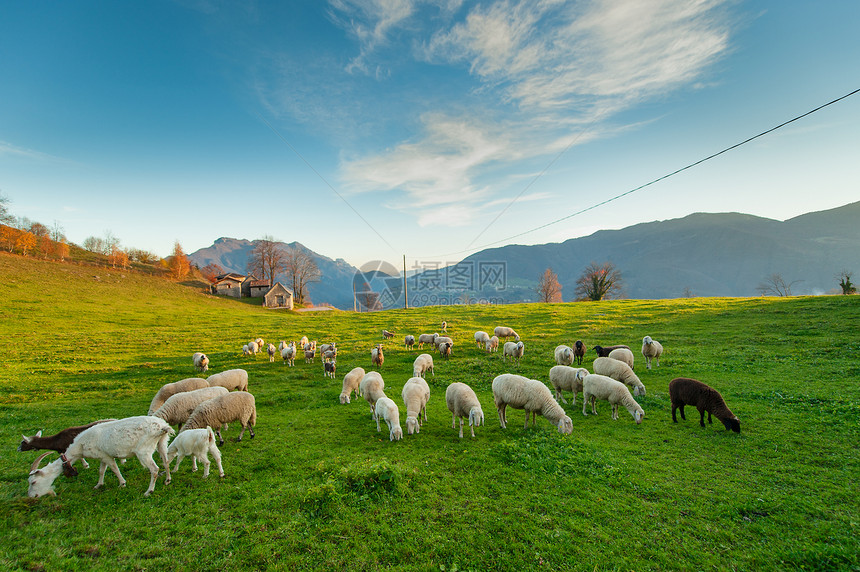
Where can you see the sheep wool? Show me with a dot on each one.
(200, 361)
(177, 409)
(515, 350)
(531, 395)
(566, 378)
(351, 382)
(371, 388)
(563, 355)
(169, 389)
(619, 371)
(422, 364)
(505, 332)
(462, 402)
(622, 355)
(415, 394)
(387, 410)
(409, 341)
(234, 406)
(651, 349)
(231, 379)
(426, 339)
(492, 344)
(596, 386)
(481, 339)
(685, 391)
(197, 444)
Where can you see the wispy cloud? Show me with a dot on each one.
(24, 153)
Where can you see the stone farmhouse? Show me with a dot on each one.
(242, 286)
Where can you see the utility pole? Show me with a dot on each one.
(405, 291)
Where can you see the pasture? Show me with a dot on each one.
(319, 488)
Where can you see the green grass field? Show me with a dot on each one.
(319, 488)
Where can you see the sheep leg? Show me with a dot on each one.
(674, 408)
(461, 427)
(681, 408)
(615, 412)
(378, 429)
(84, 463)
(112, 464)
(585, 404)
(702, 417)
(501, 410)
(216, 454)
(205, 460)
(153, 471)
(454, 421)
(709, 418)
(220, 438)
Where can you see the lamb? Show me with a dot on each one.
(445, 349)
(563, 355)
(260, 343)
(386, 335)
(415, 394)
(564, 378)
(351, 382)
(442, 340)
(505, 332)
(604, 351)
(200, 361)
(197, 444)
(329, 369)
(231, 379)
(409, 341)
(462, 402)
(530, 394)
(270, 349)
(246, 351)
(234, 406)
(108, 441)
(481, 338)
(253, 348)
(330, 355)
(623, 355)
(58, 442)
(596, 386)
(515, 350)
(651, 349)
(328, 347)
(619, 371)
(492, 344)
(422, 364)
(288, 354)
(177, 409)
(376, 356)
(685, 391)
(310, 354)
(371, 387)
(579, 351)
(387, 409)
(168, 389)
(426, 339)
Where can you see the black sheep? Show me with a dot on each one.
(685, 391)
(579, 351)
(604, 352)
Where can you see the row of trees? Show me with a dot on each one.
(270, 258)
(597, 282)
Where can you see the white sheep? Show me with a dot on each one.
(260, 343)
(168, 389)
(531, 395)
(623, 355)
(462, 402)
(426, 339)
(515, 350)
(270, 349)
(231, 379)
(596, 386)
(422, 364)
(387, 410)
(371, 388)
(303, 342)
(200, 361)
(415, 394)
(492, 344)
(288, 354)
(442, 340)
(108, 441)
(351, 382)
(377, 358)
(177, 409)
(505, 332)
(282, 345)
(481, 339)
(328, 347)
(566, 378)
(619, 371)
(246, 351)
(409, 341)
(445, 349)
(563, 355)
(235, 406)
(651, 349)
(197, 444)
(253, 348)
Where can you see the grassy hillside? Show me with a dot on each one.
(319, 488)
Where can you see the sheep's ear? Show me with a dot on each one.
(39, 433)
(26, 439)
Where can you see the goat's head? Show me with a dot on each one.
(41, 480)
(25, 442)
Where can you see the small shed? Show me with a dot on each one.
(278, 296)
(258, 288)
(228, 285)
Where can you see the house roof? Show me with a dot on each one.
(233, 275)
(259, 283)
(278, 288)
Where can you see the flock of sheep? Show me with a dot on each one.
(201, 408)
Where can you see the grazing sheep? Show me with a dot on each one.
(168, 389)
(445, 326)
(351, 383)
(387, 410)
(108, 441)
(445, 349)
(530, 394)
(329, 369)
(505, 332)
(253, 348)
(685, 391)
(310, 354)
(492, 344)
(310, 346)
(376, 356)
(200, 361)
(579, 351)
(386, 335)
(409, 341)
(415, 394)
(270, 350)
(177, 409)
(330, 355)
(260, 343)
(515, 350)
(563, 355)
(651, 349)
(231, 379)
(328, 347)
(623, 355)
(426, 339)
(565, 378)
(58, 442)
(442, 340)
(197, 444)
(481, 339)
(422, 364)
(604, 351)
(462, 402)
(371, 388)
(288, 354)
(596, 386)
(303, 341)
(619, 371)
(234, 406)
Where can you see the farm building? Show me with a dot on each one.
(278, 296)
(259, 287)
(232, 284)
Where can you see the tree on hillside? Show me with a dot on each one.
(25, 242)
(5, 216)
(775, 285)
(58, 233)
(267, 259)
(62, 250)
(211, 271)
(302, 271)
(94, 244)
(142, 256)
(8, 236)
(178, 264)
(598, 282)
(118, 257)
(549, 288)
(845, 283)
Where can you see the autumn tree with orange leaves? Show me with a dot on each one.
(549, 288)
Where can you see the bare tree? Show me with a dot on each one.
(58, 233)
(5, 216)
(598, 281)
(267, 259)
(300, 266)
(845, 283)
(549, 288)
(775, 285)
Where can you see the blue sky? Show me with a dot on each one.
(430, 128)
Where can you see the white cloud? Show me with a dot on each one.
(21, 152)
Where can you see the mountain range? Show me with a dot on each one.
(703, 254)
